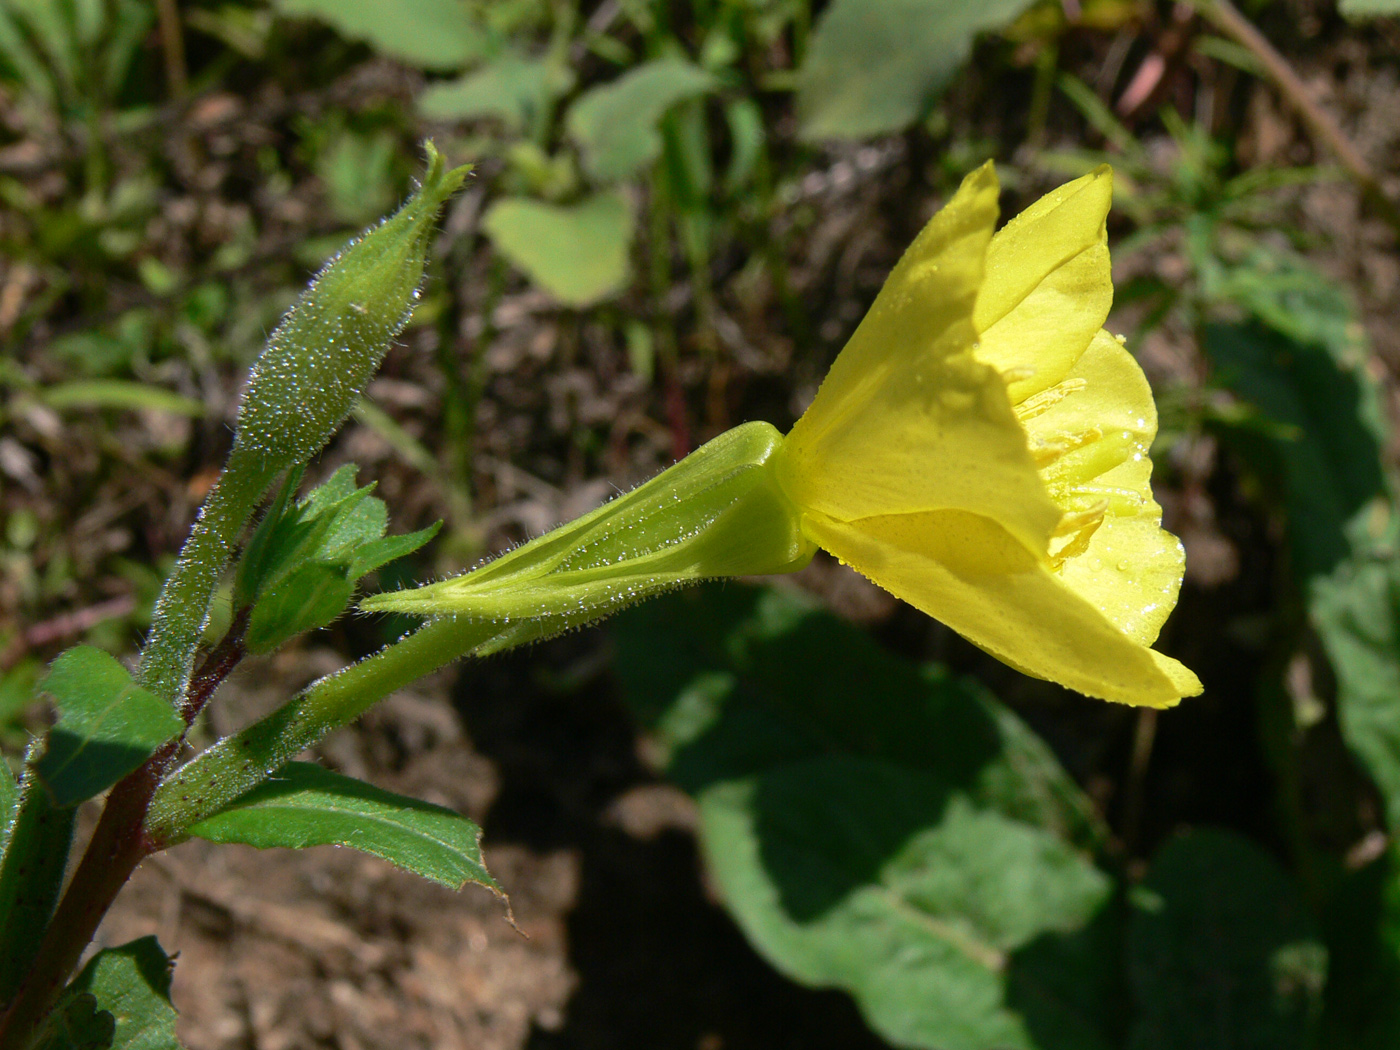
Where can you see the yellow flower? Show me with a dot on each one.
(979, 448)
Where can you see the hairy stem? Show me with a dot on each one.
(238, 763)
(183, 605)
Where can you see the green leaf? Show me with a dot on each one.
(514, 90)
(433, 34)
(305, 805)
(76, 1023)
(31, 874)
(307, 597)
(1222, 952)
(380, 552)
(1301, 365)
(876, 66)
(300, 568)
(578, 253)
(1356, 611)
(1357, 9)
(615, 124)
(877, 827)
(132, 984)
(107, 725)
(9, 803)
(1361, 1010)
(118, 393)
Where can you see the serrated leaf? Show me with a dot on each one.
(578, 253)
(432, 34)
(132, 983)
(516, 91)
(615, 124)
(1222, 952)
(876, 827)
(304, 805)
(107, 725)
(305, 598)
(877, 66)
(76, 1023)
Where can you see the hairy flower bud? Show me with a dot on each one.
(332, 340)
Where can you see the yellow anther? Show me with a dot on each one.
(1077, 529)
(1038, 403)
(1046, 452)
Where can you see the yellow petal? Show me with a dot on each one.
(1048, 287)
(1103, 416)
(970, 573)
(907, 420)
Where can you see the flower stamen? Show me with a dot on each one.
(1047, 398)
(1077, 528)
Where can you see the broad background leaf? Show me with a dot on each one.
(107, 725)
(578, 252)
(878, 827)
(305, 805)
(515, 90)
(876, 66)
(433, 34)
(615, 124)
(1370, 8)
(1300, 361)
(1222, 952)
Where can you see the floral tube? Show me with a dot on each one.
(979, 449)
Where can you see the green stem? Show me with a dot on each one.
(183, 605)
(238, 763)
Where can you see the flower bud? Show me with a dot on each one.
(332, 340)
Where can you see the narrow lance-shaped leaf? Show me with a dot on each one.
(31, 874)
(107, 725)
(305, 805)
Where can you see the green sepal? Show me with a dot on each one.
(107, 725)
(305, 805)
(717, 513)
(301, 565)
